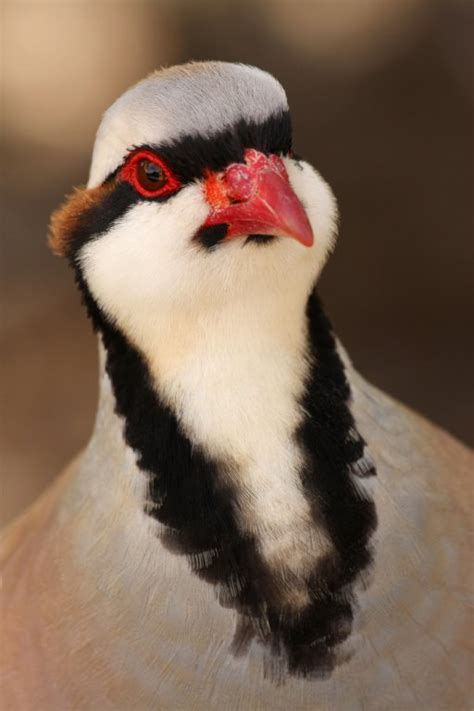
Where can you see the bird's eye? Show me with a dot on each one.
(149, 175)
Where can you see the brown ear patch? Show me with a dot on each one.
(65, 221)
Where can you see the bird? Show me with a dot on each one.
(252, 525)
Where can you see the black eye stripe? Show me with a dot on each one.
(188, 157)
(192, 155)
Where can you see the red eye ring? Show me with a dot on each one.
(135, 172)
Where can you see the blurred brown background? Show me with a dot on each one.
(381, 95)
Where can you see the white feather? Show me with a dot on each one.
(199, 98)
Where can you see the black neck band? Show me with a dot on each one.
(196, 506)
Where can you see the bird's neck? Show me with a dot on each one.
(232, 440)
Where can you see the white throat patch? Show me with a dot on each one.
(236, 395)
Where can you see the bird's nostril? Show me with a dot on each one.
(239, 180)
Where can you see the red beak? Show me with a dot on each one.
(256, 197)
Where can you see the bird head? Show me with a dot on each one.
(195, 198)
